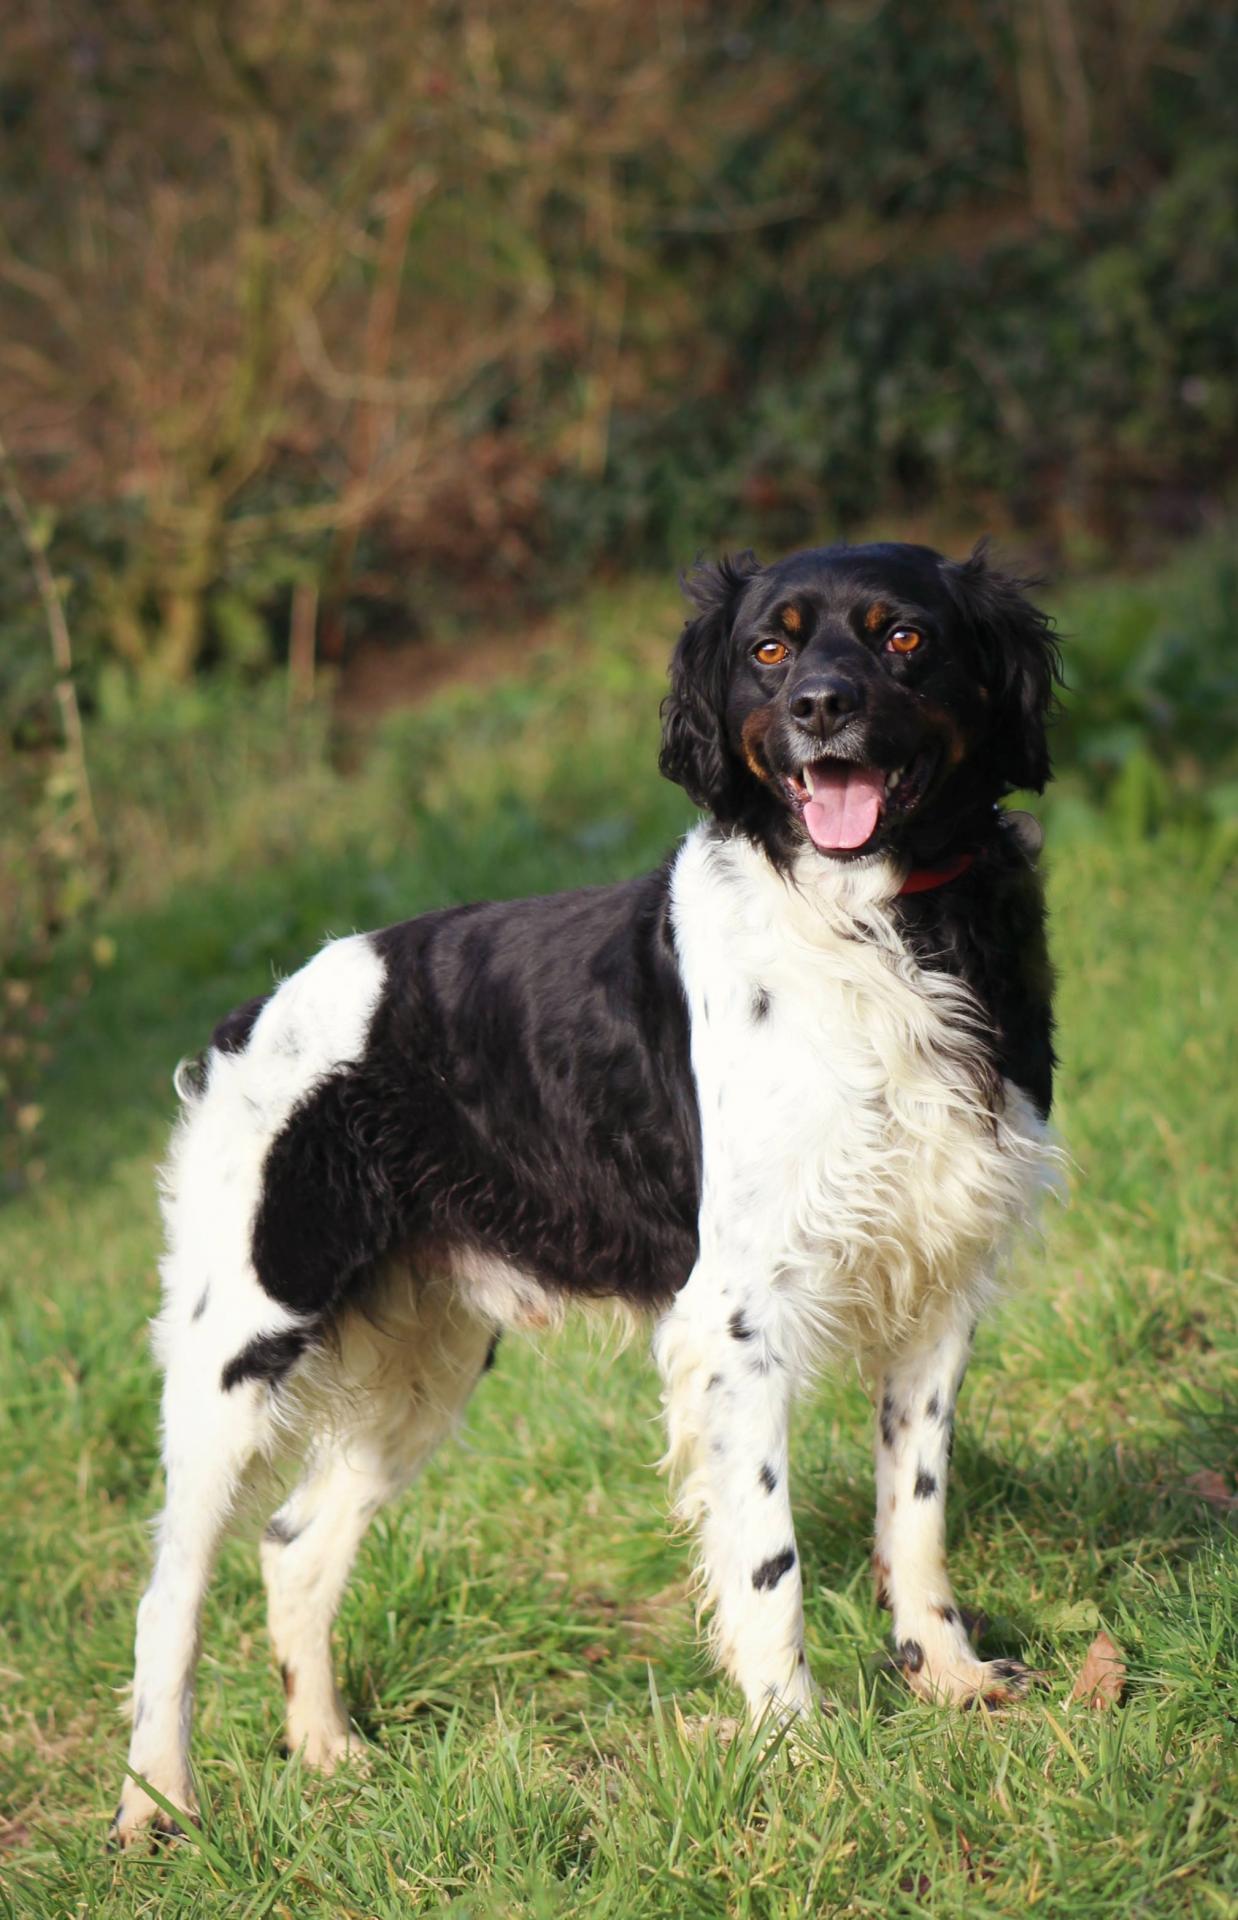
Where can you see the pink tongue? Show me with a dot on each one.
(845, 806)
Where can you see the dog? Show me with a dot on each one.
(786, 1097)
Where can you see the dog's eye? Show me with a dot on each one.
(771, 653)
(905, 640)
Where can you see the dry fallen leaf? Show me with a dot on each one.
(1214, 1488)
(1102, 1675)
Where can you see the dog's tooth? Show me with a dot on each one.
(806, 777)
(892, 779)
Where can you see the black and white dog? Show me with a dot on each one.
(787, 1095)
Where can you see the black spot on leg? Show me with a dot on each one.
(738, 1327)
(281, 1531)
(933, 1408)
(950, 1443)
(768, 1478)
(760, 1005)
(714, 1380)
(948, 1614)
(766, 1577)
(267, 1358)
(203, 1299)
(887, 1420)
(910, 1655)
(926, 1484)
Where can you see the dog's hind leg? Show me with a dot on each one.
(226, 1353)
(916, 1395)
(728, 1387)
(395, 1385)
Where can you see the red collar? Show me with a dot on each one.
(924, 879)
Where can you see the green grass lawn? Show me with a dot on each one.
(518, 1642)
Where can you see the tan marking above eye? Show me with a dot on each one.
(876, 616)
(905, 639)
(772, 653)
(792, 619)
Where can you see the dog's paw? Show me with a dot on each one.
(138, 1816)
(326, 1749)
(1004, 1682)
(992, 1684)
(722, 1727)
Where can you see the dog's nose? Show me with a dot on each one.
(826, 702)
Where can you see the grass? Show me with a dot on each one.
(518, 1641)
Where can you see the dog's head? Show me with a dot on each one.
(858, 698)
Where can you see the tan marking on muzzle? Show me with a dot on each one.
(753, 733)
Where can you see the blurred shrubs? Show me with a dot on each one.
(393, 305)
(1148, 733)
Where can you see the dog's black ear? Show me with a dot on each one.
(694, 752)
(1020, 663)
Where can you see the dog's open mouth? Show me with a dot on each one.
(843, 803)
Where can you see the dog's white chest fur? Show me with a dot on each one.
(846, 1152)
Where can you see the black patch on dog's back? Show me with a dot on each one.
(525, 1091)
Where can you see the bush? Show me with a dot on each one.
(397, 313)
(1146, 735)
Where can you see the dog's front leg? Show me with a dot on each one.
(916, 1394)
(727, 1389)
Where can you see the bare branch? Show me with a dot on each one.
(61, 642)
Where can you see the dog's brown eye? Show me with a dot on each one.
(905, 639)
(771, 653)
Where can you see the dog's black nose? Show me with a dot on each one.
(825, 703)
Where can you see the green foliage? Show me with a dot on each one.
(1148, 731)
